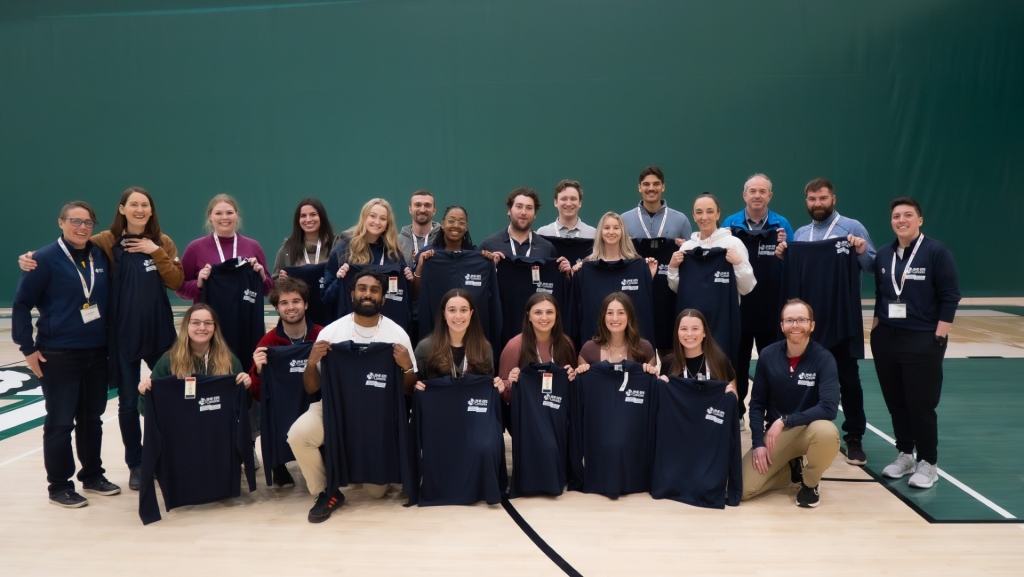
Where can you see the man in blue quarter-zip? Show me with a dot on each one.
(795, 398)
(826, 223)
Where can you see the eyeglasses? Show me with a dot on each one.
(198, 324)
(460, 223)
(799, 321)
(87, 223)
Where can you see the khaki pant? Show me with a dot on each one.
(819, 441)
(305, 437)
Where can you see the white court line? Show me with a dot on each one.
(984, 500)
(40, 448)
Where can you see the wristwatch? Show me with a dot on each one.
(941, 340)
(785, 420)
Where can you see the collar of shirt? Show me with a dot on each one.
(755, 224)
(644, 208)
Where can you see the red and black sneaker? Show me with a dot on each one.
(325, 505)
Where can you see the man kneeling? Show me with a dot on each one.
(795, 399)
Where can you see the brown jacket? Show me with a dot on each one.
(165, 257)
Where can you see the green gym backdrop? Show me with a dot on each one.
(347, 100)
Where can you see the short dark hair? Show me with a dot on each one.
(907, 201)
(818, 184)
(64, 210)
(381, 279)
(288, 285)
(564, 184)
(523, 191)
(810, 311)
(649, 171)
(421, 192)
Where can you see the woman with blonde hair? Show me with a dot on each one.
(373, 241)
(224, 220)
(612, 243)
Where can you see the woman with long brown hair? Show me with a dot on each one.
(200, 349)
(618, 337)
(542, 341)
(457, 346)
(312, 238)
(695, 354)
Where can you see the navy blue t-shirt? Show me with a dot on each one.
(235, 291)
(661, 250)
(596, 280)
(760, 308)
(313, 276)
(283, 399)
(696, 444)
(195, 447)
(826, 275)
(540, 431)
(573, 249)
(460, 444)
(144, 323)
(466, 269)
(365, 420)
(516, 286)
(613, 428)
(707, 282)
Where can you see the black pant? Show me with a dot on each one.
(909, 367)
(75, 392)
(747, 342)
(850, 392)
(128, 408)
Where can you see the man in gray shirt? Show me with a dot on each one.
(568, 201)
(412, 238)
(651, 217)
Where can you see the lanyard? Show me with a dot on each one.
(316, 259)
(827, 232)
(512, 243)
(86, 288)
(375, 332)
(206, 362)
(703, 363)
(220, 252)
(661, 229)
(903, 279)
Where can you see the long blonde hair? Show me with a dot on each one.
(185, 364)
(214, 202)
(626, 249)
(358, 248)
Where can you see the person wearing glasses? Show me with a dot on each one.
(70, 288)
(795, 399)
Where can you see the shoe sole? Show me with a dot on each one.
(858, 463)
(284, 486)
(104, 493)
(70, 505)
(318, 518)
(133, 487)
(928, 486)
(808, 505)
(900, 476)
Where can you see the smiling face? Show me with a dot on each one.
(522, 213)
(455, 226)
(421, 208)
(309, 219)
(542, 318)
(457, 314)
(821, 204)
(377, 220)
(568, 204)
(691, 334)
(77, 236)
(200, 327)
(224, 219)
(906, 223)
(651, 189)
(611, 231)
(615, 318)
(705, 214)
(797, 325)
(136, 211)
(367, 297)
(291, 308)
(757, 194)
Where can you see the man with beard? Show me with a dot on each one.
(651, 217)
(568, 201)
(364, 325)
(519, 239)
(413, 237)
(820, 196)
(795, 398)
(289, 298)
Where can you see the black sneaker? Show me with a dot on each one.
(325, 505)
(796, 470)
(135, 478)
(282, 478)
(855, 452)
(69, 499)
(101, 486)
(807, 497)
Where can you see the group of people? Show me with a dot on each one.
(103, 309)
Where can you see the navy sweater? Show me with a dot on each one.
(55, 289)
(931, 291)
(810, 393)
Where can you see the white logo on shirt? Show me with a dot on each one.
(297, 365)
(717, 416)
(378, 380)
(722, 276)
(209, 403)
(553, 401)
(806, 379)
(663, 269)
(477, 406)
(916, 273)
(766, 249)
(473, 280)
(545, 287)
(630, 284)
(842, 247)
(149, 265)
(249, 296)
(397, 296)
(635, 396)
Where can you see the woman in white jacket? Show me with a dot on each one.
(705, 215)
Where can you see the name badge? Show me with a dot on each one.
(897, 310)
(90, 313)
(190, 387)
(392, 284)
(546, 383)
(536, 274)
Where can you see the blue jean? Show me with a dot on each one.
(74, 386)
(128, 408)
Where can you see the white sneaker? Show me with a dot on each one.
(925, 475)
(255, 460)
(743, 424)
(903, 465)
